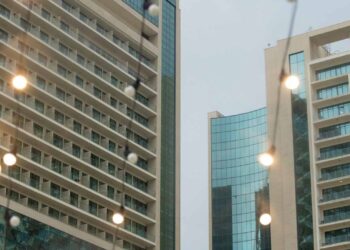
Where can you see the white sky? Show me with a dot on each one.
(223, 44)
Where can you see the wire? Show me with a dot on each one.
(282, 72)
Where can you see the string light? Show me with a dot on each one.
(19, 82)
(9, 158)
(267, 158)
(118, 217)
(265, 219)
(14, 221)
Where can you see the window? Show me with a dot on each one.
(39, 106)
(95, 160)
(38, 130)
(101, 29)
(59, 117)
(64, 26)
(95, 137)
(112, 124)
(79, 81)
(92, 208)
(97, 93)
(40, 82)
(25, 24)
(76, 150)
(96, 114)
(77, 127)
(62, 70)
(112, 146)
(58, 141)
(72, 221)
(4, 11)
(110, 192)
(98, 71)
(55, 190)
(80, 59)
(44, 36)
(78, 104)
(33, 204)
(60, 94)
(83, 17)
(56, 165)
(63, 49)
(111, 169)
(74, 174)
(15, 172)
(91, 229)
(54, 213)
(42, 59)
(45, 14)
(93, 184)
(34, 180)
(114, 81)
(74, 198)
(3, 35)
(36, 155)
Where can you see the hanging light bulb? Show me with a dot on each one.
(9, 159)
(118, 218)
(19, 82)
(132, 157)
(267, 158)
(265, 219)
(153, 10)
(15, 221)
(130, 91)
(291, 82)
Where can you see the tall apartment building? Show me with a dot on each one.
(74, 123)
(310, 179)
(238, 184)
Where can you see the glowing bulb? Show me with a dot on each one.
(118, 218)
(15, 221)
(19, 82)
(292, 82)
(265, 219)
(130, 91)
(9, 159)
(153, 10)
(266, 159)
(132, 157)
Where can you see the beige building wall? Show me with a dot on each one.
(282, 177)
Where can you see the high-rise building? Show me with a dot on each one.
(309, 181)
(238, 184)
(73, 121)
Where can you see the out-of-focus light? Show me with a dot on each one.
(265, 219)
(9, 159)
(291, 82)
(19, 82)
(118, 218)
(132, 157)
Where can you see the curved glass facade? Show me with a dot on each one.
(240, 191)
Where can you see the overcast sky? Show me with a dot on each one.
(223, 44)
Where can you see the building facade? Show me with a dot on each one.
(73, 121)
(238, 184)
(309, 181)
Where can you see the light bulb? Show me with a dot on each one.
(19, 82)
(118, 218)
(291, 82)
(15, 221)
(130, 91)
(153, 10)
(265, 219)
(132, 157)
(266, 159)
(9, 159)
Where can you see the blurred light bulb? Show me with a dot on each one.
(9, 159)
(19, 82)
(118, 218)
(291, 82)
(130, 91)
(132, 157)
(153, 10)
(266, 159)
(15, 221)
(265, 219)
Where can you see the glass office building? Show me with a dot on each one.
(72, 123)
(239, 187)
